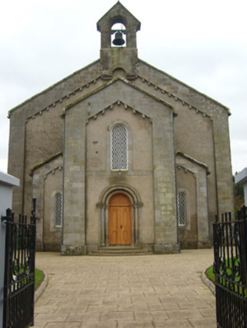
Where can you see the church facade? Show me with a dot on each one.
(121, 155)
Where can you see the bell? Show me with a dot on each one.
(118, 41)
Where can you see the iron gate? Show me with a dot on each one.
(19, 276)
(230, 250)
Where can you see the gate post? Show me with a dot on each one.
(6, 184)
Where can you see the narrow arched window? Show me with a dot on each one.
(182, 208)
(119, 146)
(58, 209)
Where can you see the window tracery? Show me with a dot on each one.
(58, 209)
(119, 146)
(182, 208)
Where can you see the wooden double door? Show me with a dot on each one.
(119, 222)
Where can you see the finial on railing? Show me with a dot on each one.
(243, 212)
(9, 216)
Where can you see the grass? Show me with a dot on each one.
(210, 270)
(39, 276)
(210, 273)
(235, 286)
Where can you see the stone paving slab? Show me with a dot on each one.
(124, 292)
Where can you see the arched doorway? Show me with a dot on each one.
(119, 220)
(133, 202)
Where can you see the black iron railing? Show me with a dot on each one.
(19, 279)
(230, 264)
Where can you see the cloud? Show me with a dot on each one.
(202, 44)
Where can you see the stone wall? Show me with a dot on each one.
(56, 96)
(47, 180)
(186, 182)
(200, 131)
(119, 93)
(219, 114)
(197, 126)
(138, 176)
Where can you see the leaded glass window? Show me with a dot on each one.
(58, 209)
(119, 145)
(182, 210)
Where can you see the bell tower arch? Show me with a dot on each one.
(118, 55)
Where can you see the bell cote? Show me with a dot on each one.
(118, 28)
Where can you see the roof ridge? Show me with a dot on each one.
(112, 8)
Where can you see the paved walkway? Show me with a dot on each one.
(125, 292)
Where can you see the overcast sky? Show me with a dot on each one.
(202, 43)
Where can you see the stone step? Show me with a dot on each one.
(120, 251)
(96, 253)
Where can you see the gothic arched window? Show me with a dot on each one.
(119, 148)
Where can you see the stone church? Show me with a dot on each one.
(121, 155)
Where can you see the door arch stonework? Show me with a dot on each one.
(103, 213)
